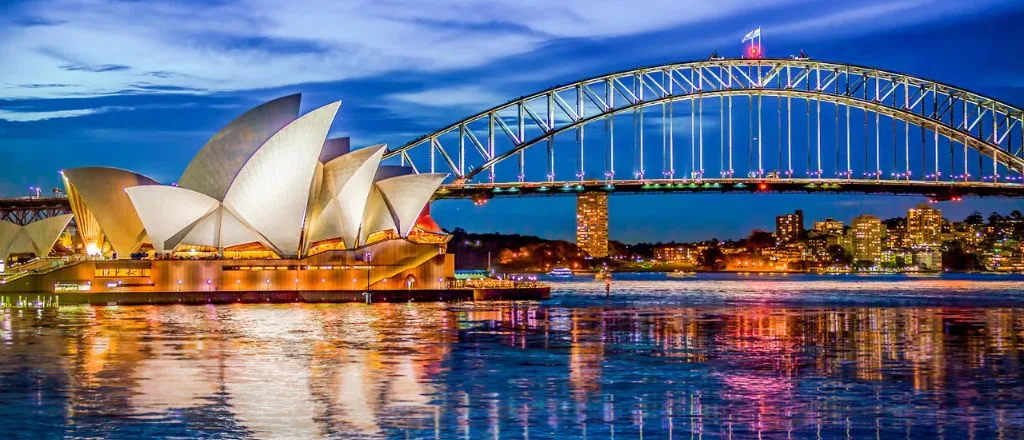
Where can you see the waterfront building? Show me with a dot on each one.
(968, 234)
(269, 203)
(868, 233)
(896, 234)
(897, 258)
(829, 226)
(1005, 256)
(789, 227)
(592, 223)
(924, 226)
(675, 254)
(787, 256)
(928, 259)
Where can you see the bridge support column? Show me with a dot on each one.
(592, 223)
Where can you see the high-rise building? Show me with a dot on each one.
(896, 236)
(788, 227)
(924, 226)
(868, 232)
(592, 223)
(829, 226)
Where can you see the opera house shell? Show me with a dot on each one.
(269, 187)
(270, 178)
(35, 238)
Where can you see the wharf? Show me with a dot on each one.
(277, 297)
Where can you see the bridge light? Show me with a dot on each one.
(762, 186)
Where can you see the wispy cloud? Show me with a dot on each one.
(99, 47)
(457, 96)
(32, 116)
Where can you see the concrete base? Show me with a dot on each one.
(222, 297)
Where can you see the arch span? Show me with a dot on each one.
(985, 137)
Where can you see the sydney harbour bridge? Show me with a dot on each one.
(720, 125)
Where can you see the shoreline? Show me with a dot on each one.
(279, 297)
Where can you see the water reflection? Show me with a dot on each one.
(514, 370)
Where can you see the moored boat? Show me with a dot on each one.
(561, 272)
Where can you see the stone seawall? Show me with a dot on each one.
(227, 297)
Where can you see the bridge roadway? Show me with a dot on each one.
(937, 190)
(25, 210)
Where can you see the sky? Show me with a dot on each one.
(142, 85)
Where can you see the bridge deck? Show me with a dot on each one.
(938, 190)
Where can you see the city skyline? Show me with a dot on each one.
(97, 107)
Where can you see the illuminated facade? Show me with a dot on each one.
(830, 227)
(675, 254)
(269, 203)
(788, 227)
(269, 184)
(924, 226)
(868, 233)
(592, 223)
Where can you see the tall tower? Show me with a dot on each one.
(868, 232)
(788, 227)
(924, 226)
(592, 223)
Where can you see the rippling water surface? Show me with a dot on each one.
(713, 357)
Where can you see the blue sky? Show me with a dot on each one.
(142, 85)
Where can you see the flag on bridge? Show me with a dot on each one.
(756, 33)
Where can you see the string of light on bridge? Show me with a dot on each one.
(729, 124)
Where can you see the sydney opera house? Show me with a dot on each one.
(268, 204)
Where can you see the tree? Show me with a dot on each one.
(837, 255)
(994, 219)
(711, 259)
(863, 264)
(974, 218)
(759, 239)
(956, 258)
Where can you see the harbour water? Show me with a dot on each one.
(718, 356)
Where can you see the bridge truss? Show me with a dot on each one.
(26, 210)
(734, 124)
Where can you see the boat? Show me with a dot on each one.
(681, 274)
(561, 272)
(923, 274)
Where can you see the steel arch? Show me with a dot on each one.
(1007, 159)
(869, 89)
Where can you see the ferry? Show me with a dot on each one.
(681, 274)
(561, 272)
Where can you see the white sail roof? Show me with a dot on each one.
(34, 238)
(98, 193)
(166, 210)
(407, 195)
(217, 164)
(44, 233)
(8, 232)
(271, 192)
(346, 185)
(377, 216)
